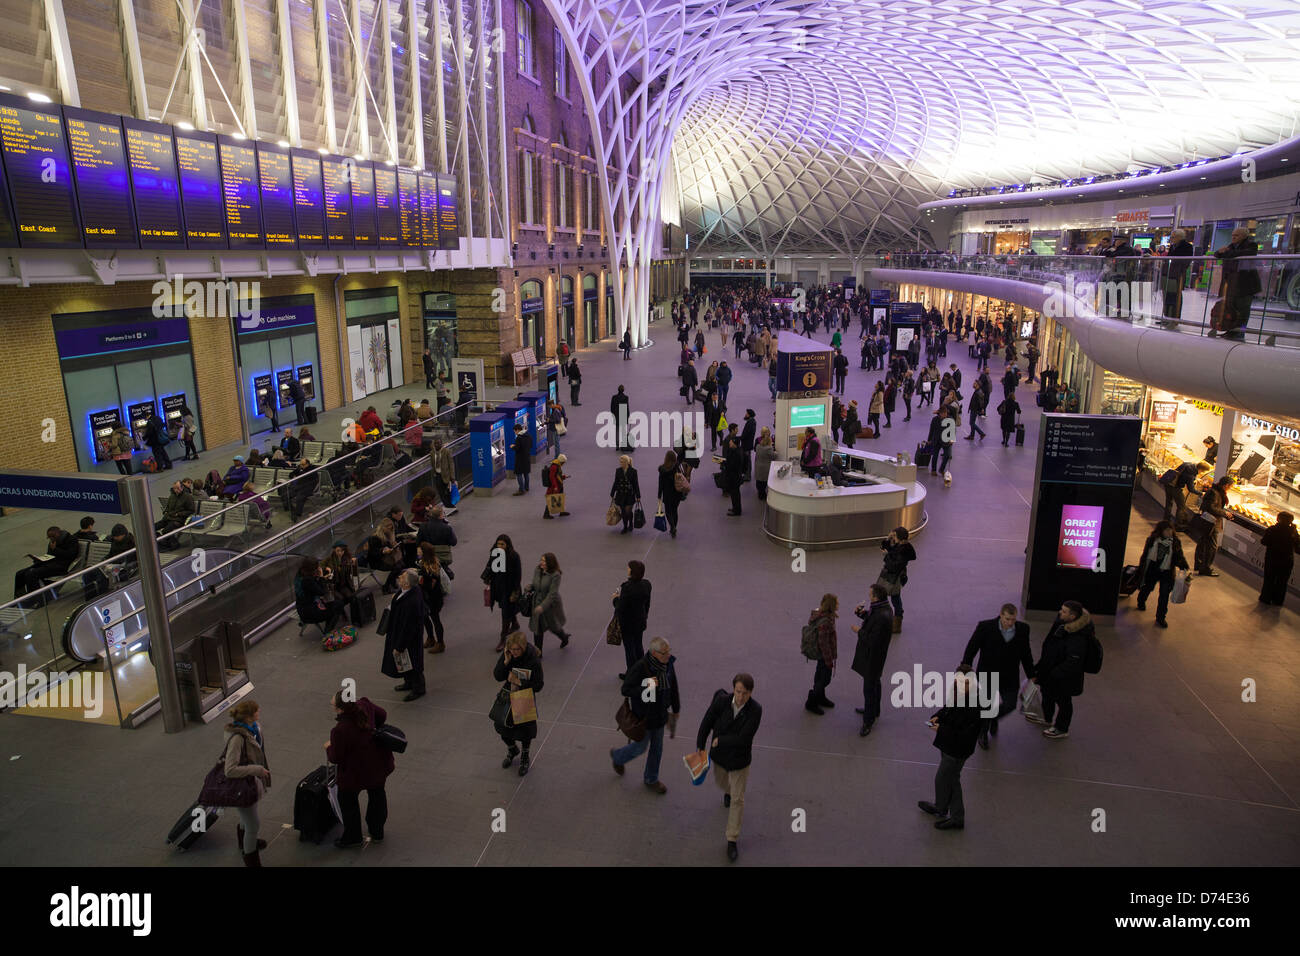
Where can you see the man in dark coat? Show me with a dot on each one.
(869, 656)
(733, 720)
(156, 437)
(840, 366)
(428, 369)
(733, 472)
(523, 449)
(297, 396)
(957, 726)
(690, 381)
(1214, 511)
(618, 407)
(632, 607)
(63, 550)
(1059, 671)
(406, 633)
(747, 436)
(1002, 643)
(651, 691)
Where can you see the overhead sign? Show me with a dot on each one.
(802, 364)
(62, 493)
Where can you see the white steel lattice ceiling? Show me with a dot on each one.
(862, 109)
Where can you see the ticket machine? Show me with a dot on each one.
(487, 440)
(536, 419)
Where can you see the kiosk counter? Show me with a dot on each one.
(883, 494)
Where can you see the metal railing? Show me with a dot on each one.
(1201, 295)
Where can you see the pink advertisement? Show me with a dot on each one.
(1080, 536)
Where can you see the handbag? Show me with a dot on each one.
(387, 737)
(487, 597)
(555, 503)
(221, 791)
(382, 629)
(632, 726)
(614, 632)
(638, 516)
(613, 514)
(523, 706)
(500, 710)
(444, 581)
(661, 520)
(526, 601)
(1181, 588)
(561, 428)
(892, 586)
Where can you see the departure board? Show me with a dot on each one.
(155, 189)
(8, 232)
(386, 217)
(201, 197)
(363, 205)
(308, 201)
(35, 155)
(241, 194)
(408, 203)
(276, 178)
(100, 175)
(448, 214)
(337, 175)
(428, 210)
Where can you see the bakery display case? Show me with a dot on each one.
(1264, 463)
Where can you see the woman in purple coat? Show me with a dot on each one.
(363, 765)
(236, 477)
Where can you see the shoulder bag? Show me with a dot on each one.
(631, 726)
(614, 631)
(221, 791)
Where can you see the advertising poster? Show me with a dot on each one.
(1080, 536)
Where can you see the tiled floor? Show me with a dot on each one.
(1184, 771)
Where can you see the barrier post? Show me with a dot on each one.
(155, 601)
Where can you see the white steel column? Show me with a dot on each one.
(247, 106)
(62, 53)
(440, 30)
(417, 98)
(359, 82)
(503, 200)
(326, 76)
(383, 31)
(288, 75)
(134, 61)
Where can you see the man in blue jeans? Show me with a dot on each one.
(651, 690)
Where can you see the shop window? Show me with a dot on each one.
(441, 331)
(561, 66)
(524, 38)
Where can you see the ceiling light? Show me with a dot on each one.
(185, 125)
(322, 150)
(38, 97)
(283, 144)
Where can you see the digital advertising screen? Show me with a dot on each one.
(275, 178)
(102, 425)
(363, 205)
(1164, 413)
(202, 201)
(428, 210)
(100, 172)
(448, 213)
(387, 220)
(807, 416)
(337, 176)
(408, 204)
(241, 192)
(155, 184)
(1080, 536)
(308, 200)
(34, 152)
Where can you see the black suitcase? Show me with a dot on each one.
(1128, 582)
(922, 457)
(309, 414)
(367, 602)
(315, 802)
(183, 835)
(1020, 434)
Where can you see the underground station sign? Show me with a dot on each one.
(61, 493)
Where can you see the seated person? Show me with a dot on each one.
(424, 499)
(87, 532)
(279, 460)
(384, 553)
(340, 471)
(341, 572)
(405, 534)
(304, 435)
(61, 551)
(370, 422)
(122, 542)
(311, 599)
(255, 458)
(291, 447)
(237, 475)
(424, 411)
(263, 509)
(178, 510)
(300, 485)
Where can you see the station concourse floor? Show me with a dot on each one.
(1186, 773)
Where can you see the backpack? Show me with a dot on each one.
(681, 484)
(1169, 477)
(1092, 656)
(808, 642)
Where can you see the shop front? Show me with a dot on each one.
(374, 340)
(118, 368)
(440, 330)
(590, 309)
(276, 344)
(566, 313)
(532, 318)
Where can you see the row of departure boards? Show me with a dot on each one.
(73, 178)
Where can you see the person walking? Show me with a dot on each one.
(427, 359)
(519, 668)
(890, 399)
(651, 690)
(632, 608)
(944, 437)
(979, 404)
(403, 655)
(548, 607)
(362, 765)
(618, 408)
(875, 408)
(1008, 416)
(724, 382)
(732, 719)
(1214, 511)
(893, 576)
(434, 591)
(764, 455)
(690, 382)
(574, 375)
(909, 388)
(625, 491)
(1002, 644)
(523, 449)
(823, 619)
(1059, 671)
(244, 755)
(673, 487)
(626, 345)
(699, 342)
(189, 428)
(503, 578)
(1162, 553)
(155, 436)
(874, 634)
(1281, 545)
(956, 727)
(555, 476)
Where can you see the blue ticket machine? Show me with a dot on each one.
(536, 419)
(487, 440)
(516, 413)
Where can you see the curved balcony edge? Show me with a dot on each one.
(1253, 378)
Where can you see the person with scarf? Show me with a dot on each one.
(245, 756)
(405, 627)
(1161, 554)
(503, 578)
(823, 618)
(874, 634)
(655, 677)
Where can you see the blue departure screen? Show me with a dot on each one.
(276, 179)
(241, 195)
(308, 200)
(201, 197)
(386, 216)
(35, 155)
(363, 204)
(155, 188)
(99, 171)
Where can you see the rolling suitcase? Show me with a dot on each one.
(184, 834)
(1020, 434)
(1128, 582)
(309, 414)
(922, 456)
(316, 804)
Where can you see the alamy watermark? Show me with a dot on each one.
(213, 298)
(935, 689)
(651, 430)
(83, 690)
(1109, 297)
